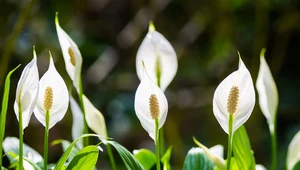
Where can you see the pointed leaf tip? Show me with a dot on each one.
(151, 27)
(262, 52)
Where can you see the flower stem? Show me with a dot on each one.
(85, 129)
(157, 144)
(20, 137)
(230, 135)
(46, 140)
(111, 157)
(162, 141)
(274, 145)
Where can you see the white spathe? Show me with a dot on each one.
(293, 154)
(142, 108)
(77, 125)
(241, 79)
(95, 119)
(158, 54)
(27, 91)
(60, 103)
(66, 43)
(267, 91)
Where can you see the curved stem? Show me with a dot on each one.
(274, 146)
(46, 140)
(157, 144)
(230, 135)
(20, 137)
(85, 130)
(111, 157)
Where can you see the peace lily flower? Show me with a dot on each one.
(267, 91)
(53, 96)
(293, 155)
(71, 54)
(160, 57)
(27, 90)
(77, 126)
(95, 119)
(234, 96)
(150, 104)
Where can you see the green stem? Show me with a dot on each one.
(230, 135)
(274, 146)
(85, 130)
(20, 137)
(162, 141)
(157, 144)
(46, 140)
(111, 157)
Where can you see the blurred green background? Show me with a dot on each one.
(206, 36)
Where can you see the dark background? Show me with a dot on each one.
(206, 36)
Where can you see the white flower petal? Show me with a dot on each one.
(60, 103)
(260, 167)
(293, 155)
(154, 49)
(94, 119)
(242, 79)
(27, 91)
(217, 150)
(267, 91)
(77, 126)
(142, 108)
(71, 54)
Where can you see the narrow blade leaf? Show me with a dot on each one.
(128, 159)
(4, 110)
(65, 156)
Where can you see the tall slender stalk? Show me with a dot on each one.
(274, 145)
(46, 140)
(85, 129)
(161, 130)
(20, 136)
(230, 136)
(4, 110)
(111, 157)
(157, 144)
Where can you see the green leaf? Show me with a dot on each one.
(242, 150)
(196, 159)
(297, 166)
(145, 157)
(128, 159)
(65, 144)
(85, 159)
(11, 149)
(166, 159)
(65, 156)
(4, 110)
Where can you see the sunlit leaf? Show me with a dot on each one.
(145, 157)
(242, 150)
(85, 159)
(66, 154)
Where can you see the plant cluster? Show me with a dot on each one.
(156, 66)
